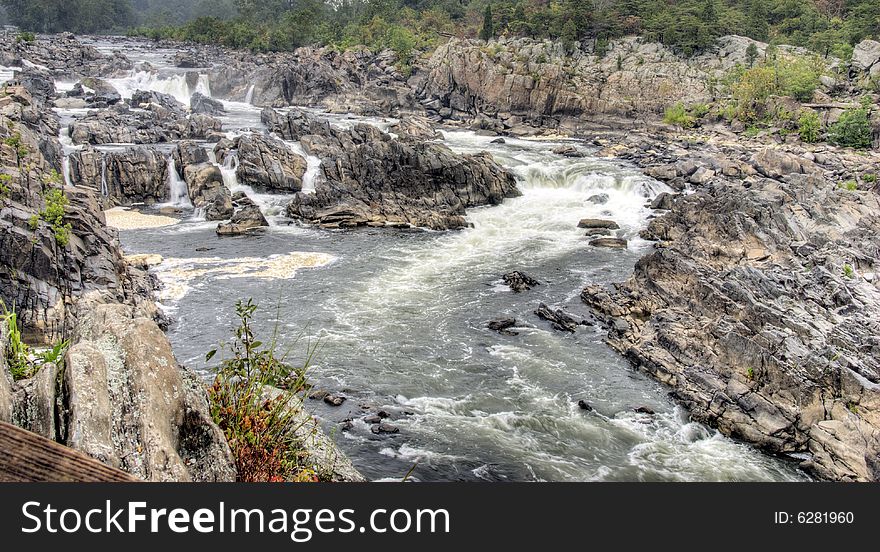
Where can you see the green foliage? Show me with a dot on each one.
(5, 181)
(850, 185)
(20, 358)
(25, 36)
(792, 76)
(53, 214)
(678, 115)
(870, 178)
(487, 32)
(809, 126)
(751, 54)
(853, 129)
(15, 142)
(750, 373)
(261, 429)
(80, 16)
(848, 271)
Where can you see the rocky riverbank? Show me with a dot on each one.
(758, 304)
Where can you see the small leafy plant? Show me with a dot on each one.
(679, 116)
(809, 127)
(53, 214)
(261, 428)
(848, 271)
(22, 361)
(750, 373)
(15, 142)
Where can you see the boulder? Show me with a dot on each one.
(503, 325)
(268, 163)
(663, 201)
(519, 281)
(187, 153)
(613, 243)
(247, 217)
(200, 103)
(866, 57)
(133, 175)
(774, 163)
(598, 223)
(558, 318)
(207, 191)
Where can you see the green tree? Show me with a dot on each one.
(751, 54)
(487, 32)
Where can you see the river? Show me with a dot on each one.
(399, 319)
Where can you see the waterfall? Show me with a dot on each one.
(104, 191)
(313, 167)
(203, 86)
(178, 193)
(65, 169)
(249, 97)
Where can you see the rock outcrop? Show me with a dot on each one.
(760, 307)
(121, 397)
(121, 125)
(247, 217)
(370, 178)
(132, 175)
(265, 163)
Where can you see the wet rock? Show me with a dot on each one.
(662, 201)
(502, 325)
(318, 394)
(558, 318)
(598, 223)
(133, 175)
(583, 405)
(644, 410)
(519, 281)
(372, 419)
(247, 217)
(498, 140)
(200, 103)
(369, 178)
(567, 151)
(164, 105)
(188, 152)
(346, 425)
(612, 243)
(598, 199)
(384, 428)
(207, 191)
(334, 400)
(597, 232)
(267, 163)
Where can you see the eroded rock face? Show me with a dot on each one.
(200, 103)
(129, 404)
(207, 191)
(133, 175)
(267, 163)
(247, 217)
(369, 178)
(761, 310)
(122, 397)
(156, 124)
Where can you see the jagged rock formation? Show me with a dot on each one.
(247, 217)
(157, 124)
(62, 54)
(121, 397)
(133, 175)
(369, 178)
(760, 306)
(509, 82)
(264, 163)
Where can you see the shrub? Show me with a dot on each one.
(5, 180)
(14, 141)
(809, 126)
(261, 430)
(870, 177)
(678, 115)
(853, 129)
(20, 358)
(848, 271)
(56, 208)
(26, 36)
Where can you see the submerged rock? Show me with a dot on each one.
(519, 281)
(558, 318)
(613, 243)
(503, 325)
(598, 223)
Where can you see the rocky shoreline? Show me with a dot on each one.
(758, 306)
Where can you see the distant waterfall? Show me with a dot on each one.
(249, 97)
(178, 194)
(104, 191)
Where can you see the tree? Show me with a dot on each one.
(569, 35)
(751, 54)
(488, 30)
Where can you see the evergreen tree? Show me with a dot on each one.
(488, 30)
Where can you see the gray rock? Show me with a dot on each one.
(558, 318)
(613, 243)
(267, 163)
(208, 192)
(200, 103)
(519, 281)
(247, 217)
(663, 201)
(598, 223)
(503, 325)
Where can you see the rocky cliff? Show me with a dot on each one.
(760, 305)
(119, 395)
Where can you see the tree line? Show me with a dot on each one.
(829, 27)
